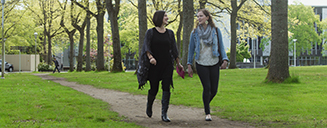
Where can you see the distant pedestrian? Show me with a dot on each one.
(56, 64)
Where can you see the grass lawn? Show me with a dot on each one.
(28, 101)
(242, 95)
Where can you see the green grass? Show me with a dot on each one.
(242, 96)
(28, 101)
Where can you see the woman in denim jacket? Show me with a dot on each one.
(204, 42)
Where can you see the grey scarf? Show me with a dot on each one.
(205, 35)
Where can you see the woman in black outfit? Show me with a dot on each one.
(156, 62)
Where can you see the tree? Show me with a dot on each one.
(278, 64)
(99, 15)
(113, 10)
(252, 15)
(17, 28)
(51, 28)
(233, 24)
(81, 28)
(70, 32)
(302, 21)
(188, 18)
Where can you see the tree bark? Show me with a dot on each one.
(88, 44)
(233, 42)
(113, 11)
(143, 25)
(179, 30)
(71, 50)
(100, 56)
(188, 18)
(278, 64)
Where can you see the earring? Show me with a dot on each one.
(206, 22)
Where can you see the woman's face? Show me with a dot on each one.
(165, 20)
(202, 18)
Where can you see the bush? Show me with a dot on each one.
(44, 67)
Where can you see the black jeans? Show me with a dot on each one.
(209, 76)
(57, 69)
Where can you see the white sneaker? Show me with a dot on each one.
(208, 117)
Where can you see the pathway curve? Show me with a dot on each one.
(133, 107)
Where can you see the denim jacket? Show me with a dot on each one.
(194, 46)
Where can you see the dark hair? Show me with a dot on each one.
(206, 13)
(158, 18)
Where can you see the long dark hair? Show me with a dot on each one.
(210, 21)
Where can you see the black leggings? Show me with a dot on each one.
(154, 86)
(209, 76)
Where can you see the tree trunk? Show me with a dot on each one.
(179, 30)
(100, 56)
(49, 48)
(188, 18)
(278, 64)
(113, 11)
(143, 25)
(71, 51)
(88, 44)
(80, 51)
(233, 42)
(45, 45)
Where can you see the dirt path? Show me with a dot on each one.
(133, 107)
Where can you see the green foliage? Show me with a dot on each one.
(264, 43)
(44, 67)
(242, 51)
(13, 52)
(292, 79)
(129, 30)
(324, 52)
(301, 20)
(28, 101)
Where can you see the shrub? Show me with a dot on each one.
(44, 67)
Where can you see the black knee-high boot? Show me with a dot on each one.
(165, 105)
(149, 104)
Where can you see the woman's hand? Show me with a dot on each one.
(180, 67)
(153, 61)
(189, 70)
(224, 65)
